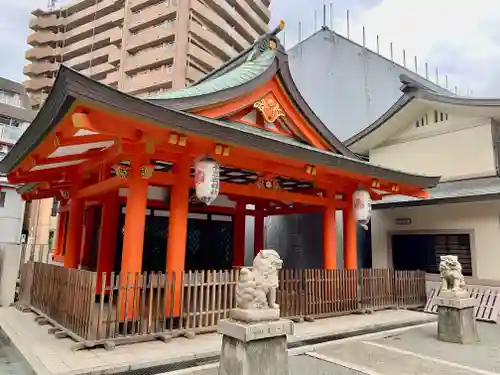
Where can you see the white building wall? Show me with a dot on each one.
(11, 216)
(456, 149)
(480, 219)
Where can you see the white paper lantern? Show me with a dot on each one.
(207, 173)
(362, 205)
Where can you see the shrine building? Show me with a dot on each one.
(123, 168)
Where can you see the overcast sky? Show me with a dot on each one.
(461, 37)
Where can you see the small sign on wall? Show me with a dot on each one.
(402, 221)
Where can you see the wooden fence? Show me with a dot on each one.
(387, 288)
(135, 307)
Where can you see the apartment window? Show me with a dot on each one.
(8, 121)
(3, 195)
(10, 98)
(55, 207)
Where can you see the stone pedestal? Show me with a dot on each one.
(254, 348)
(456, 318)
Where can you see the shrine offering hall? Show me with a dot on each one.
(164, 184)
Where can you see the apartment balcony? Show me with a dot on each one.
(45, 22)
(139, 4)
(194, 74)
(98, 70)
(151, 35)
(261, 9)
(150, 15)
(10, 134)
(38, 83)
(151, 57)
(84, 46)
(216, 22)
(148, 81)
(38, 68)
(115, 56)
(207, 36)
(43, 37)
(253, 18)
(38, 53)
(102, 24)
(112, 78)
(101, 54)
(228, 13)
(36, 98)
(203, 56)
(87, 15)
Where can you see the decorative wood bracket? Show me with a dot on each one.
(121, 171)
(147, 171)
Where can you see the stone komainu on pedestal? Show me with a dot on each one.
(254, 339)
(456, 315)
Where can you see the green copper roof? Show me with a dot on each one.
(240, 75)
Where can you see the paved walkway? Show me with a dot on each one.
(408, 351)
(48, 355)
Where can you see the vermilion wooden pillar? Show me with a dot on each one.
(74, 235)
(329, 238)
(239, 235)
(135, 222)
(177, 229)
(258, 241)
(107, 240)
(350, 250)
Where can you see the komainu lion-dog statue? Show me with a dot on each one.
(256, 288)
(450, 271)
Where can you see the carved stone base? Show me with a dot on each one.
(255, 315)
(254, 348)
(454, 294)
(457, 321)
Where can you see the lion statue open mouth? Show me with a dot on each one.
(256, 288)
(451, 275)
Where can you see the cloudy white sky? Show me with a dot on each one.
(461, 37)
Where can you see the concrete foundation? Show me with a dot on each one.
(254, 349)
(457, 321)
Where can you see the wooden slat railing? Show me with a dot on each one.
(377, 288)
(208, 296)
(410, 288)
(330, 292)
(64, 296)
(140, 307)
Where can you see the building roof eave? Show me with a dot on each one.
(71, 87)
(454, 104)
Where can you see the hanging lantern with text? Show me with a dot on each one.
(362, 205)
(206, 177)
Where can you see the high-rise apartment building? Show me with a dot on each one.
(141, 47)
